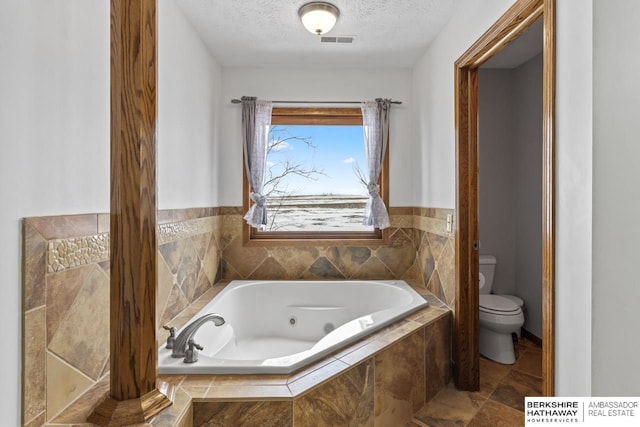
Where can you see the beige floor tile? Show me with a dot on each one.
(527, 343)
(491, 373)
(500, 400)
(450, 407)
(514, 387)
(493, 414)
(530, 362)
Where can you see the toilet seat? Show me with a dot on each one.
(496, 304)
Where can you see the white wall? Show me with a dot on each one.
(496, 183)
(319, 85)
(616, 198)
(433, 86)
(573, 197)
(54, 131)
(527, 161)
(434, 100)
(54, 138)
(510, 202)
(189, 106)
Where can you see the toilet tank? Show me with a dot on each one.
(487, 269)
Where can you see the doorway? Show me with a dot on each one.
(513, 23)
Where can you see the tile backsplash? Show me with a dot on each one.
(66, 297)
(66, 282)
(419, 247)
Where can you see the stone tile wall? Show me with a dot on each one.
(66, 283)
(419, 247)
(435, 253)
(66, 297)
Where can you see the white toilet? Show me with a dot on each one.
(500, 316)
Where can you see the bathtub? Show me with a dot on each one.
(277, 327)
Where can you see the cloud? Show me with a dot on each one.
(280, 145)
(349, 160)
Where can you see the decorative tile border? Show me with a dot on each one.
(78, 251)
(182, 230)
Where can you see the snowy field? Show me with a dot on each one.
(317, 213)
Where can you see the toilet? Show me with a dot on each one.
(500, 316)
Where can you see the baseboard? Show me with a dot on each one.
(534, 339)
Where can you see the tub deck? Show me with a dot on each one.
(395, 371)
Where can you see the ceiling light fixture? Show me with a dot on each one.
(318, 17)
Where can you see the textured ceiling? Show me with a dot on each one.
(391, 33)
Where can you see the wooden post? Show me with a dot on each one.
(134, 395)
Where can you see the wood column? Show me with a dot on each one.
(135, 395)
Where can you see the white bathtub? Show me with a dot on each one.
(277, 327)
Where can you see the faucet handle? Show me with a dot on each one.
(191, 354)
(172, 336)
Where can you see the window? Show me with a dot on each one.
(314, 179)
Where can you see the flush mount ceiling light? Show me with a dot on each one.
(319, 17)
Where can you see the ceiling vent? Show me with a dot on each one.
(337, 40)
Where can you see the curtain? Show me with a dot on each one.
(256, 119)
(375, 125)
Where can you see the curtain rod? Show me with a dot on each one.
(237, 101)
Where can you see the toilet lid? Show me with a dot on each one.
(519, 302)
(496, 304)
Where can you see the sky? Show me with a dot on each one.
(337, 150)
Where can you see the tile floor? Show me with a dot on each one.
(500, 400)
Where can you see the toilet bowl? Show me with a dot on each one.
(499, 318)
(520, 303)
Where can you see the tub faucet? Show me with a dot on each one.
(181, 341)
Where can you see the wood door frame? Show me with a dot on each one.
(466, 328)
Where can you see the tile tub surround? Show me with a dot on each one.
(382, 380)
(66, 282)
(419, 250)
(435, 252)
(66, 297)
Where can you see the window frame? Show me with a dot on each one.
(325, 117)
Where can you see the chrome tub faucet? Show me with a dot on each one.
(179, 343)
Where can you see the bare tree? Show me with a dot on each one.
(276, 188)
(359, 173)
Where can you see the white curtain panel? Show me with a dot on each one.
(375, 123)
(256, 120)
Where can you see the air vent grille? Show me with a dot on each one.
(337, 40)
